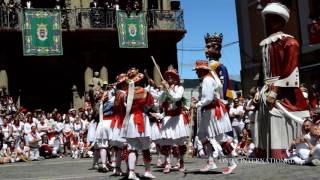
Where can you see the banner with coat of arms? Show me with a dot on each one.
(41, 32)
(132, 30)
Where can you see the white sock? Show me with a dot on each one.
(103, 156)
(132, 161)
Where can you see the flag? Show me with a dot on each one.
(132, 30)
(41, 32)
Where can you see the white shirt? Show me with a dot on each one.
(207, 91)
(236, 111)
(27, 128)
(33, 137)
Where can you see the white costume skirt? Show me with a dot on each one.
(174, 130)
(209, 126)
(117, 140)
(155, 132)
(131, 131)
(103, 133)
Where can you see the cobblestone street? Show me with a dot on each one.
(68, 168)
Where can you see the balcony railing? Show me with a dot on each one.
(87, 18)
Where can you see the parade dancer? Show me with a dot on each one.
(281, 97)
(155, 122)
(137, 130)
(212, 118)
(175, 129)
(119, 145)
(104, 132)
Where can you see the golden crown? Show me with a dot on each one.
(42, 26)
(215, 38)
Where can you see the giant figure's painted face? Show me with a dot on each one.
(213, 50)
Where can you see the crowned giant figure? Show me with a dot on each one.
(282, 105)
(213, 53)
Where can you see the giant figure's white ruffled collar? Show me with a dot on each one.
(273, 38)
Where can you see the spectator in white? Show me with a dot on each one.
(4, 156)
(58, 128)
(6, 130)
(77, 126)
(67, 134)
(55, 144)
(34, 140)
(236, 113)
(42, 126)
(35, 120)
(75, 147)
(17, 128)
(85, 148)
(299, 150)
(251, 109)
(85, 122)
(72, 115)
(22, 152)
(27, 127)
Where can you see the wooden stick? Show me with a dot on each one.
(155, 64)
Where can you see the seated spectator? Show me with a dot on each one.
(34, 141)
(55, 144)
(306, 149)
(45, 149)
(4, 156)
(85, 148)
(75, 147)
(22, 152)
(42, 126)
(246, 147)
(77, 127)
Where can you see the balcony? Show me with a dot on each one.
(96, 18)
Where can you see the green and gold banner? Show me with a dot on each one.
(41, 32)
(132, 30)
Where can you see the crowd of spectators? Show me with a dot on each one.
(31, 136)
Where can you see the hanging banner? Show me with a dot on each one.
(132, 30)
(41, 32)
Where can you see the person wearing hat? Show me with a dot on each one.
(213, 120)
(281, 85)
(119, 150)
(213, 53)
(174, 131)
(137, 129)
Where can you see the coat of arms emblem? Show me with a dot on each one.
(132, 30)
(42, 32)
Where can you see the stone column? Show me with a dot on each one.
(4, 80)
(166, 4)
(145, 5)
(104, 74)
(156, 76)
(88, 75)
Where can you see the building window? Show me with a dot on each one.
(314, 6)
(314, 23)
(153, 4)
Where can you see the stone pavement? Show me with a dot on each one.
(68, 168)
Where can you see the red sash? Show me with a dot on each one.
(217, 105)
